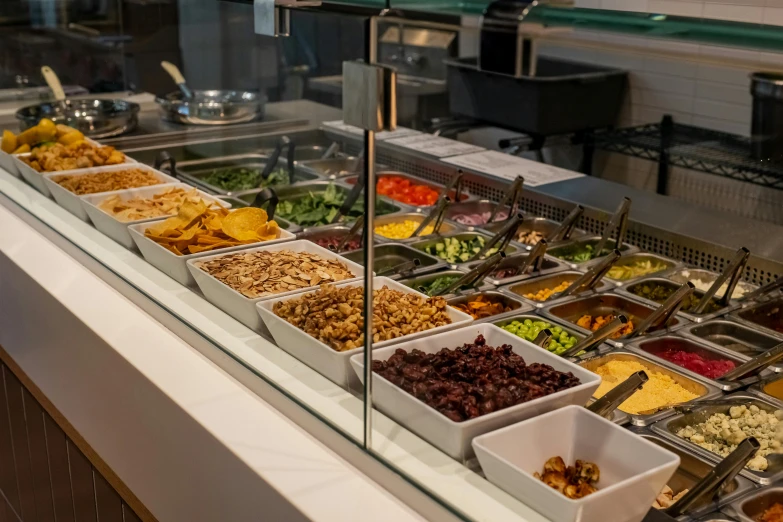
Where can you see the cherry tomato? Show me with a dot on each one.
(402, 189)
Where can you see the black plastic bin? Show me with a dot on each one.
(564, 97)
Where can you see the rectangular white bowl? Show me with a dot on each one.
(73, 203)
(7, 162)
(176, 267)
(632, 470)
(118, 230)
(36, 179)
(242, 308)
(327, 361)
(452, 437)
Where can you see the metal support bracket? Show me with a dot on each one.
(273, 17)
(369, 96)
(370, 103)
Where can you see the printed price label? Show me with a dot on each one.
(436, 145)
(509, 167)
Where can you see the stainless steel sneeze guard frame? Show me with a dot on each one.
(658, 224)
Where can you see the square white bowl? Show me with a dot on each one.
(35, 178)
(242, 308)
(632, 470)
(176, 267)
(118, 230)
(7, 162)
(452, 437)
(73, 203)
(324, 359)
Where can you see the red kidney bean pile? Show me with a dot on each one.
(472, 380)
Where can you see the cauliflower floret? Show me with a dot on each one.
(757, 463)
(754, 409)
(697, 438)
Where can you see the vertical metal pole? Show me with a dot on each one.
(369, 253)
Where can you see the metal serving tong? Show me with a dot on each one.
(350, 199)
(437, 214)
(504, 236)
(543, 338)
(476, 274)
(592, 341)
(332, 151)
(733, 271)
(166, 163)
(617, 395)
(272, 161)
(455, 183)
(591, 278)
(513, 194)
(664, 313)
(763, 290)
(754, 365)
(355, 228)
(535, 258)
(722, 473)
(262, 197)
(566, 228)
(401, 268)
(619, 221)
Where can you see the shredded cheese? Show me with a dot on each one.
(658, 391)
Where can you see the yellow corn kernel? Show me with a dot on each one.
(401, 230)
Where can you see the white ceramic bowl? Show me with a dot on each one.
(35, 178)
(73, 203)
(242, 308)
(176, 266)
(327, 361)
(452, 437)
(7, 162)
(633, 470)
(118, 230)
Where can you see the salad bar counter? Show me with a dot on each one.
(652, 352)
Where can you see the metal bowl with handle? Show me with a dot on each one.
(212, 107)
(95, 118)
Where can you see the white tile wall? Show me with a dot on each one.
(702, 85)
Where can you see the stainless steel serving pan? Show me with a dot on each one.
(213, 107)
(752, 506)
(669, 427)
(593, 240)
(415, 282)
(655, 346)
(445, 229)
(733, 337)
(464, 236)
(383, 206)
(351, 180)
(691, 470)
(570, 330)
(627, 291)
(95, 118)
(549, 265)
(531, 286)
(535, 224)
(699, 388)
(678, 276)
(314, 233)
(605, 304)
(517, 306)
(478, 206)
(629, 259)
(195, 171)
(392, 254)
(766, 316)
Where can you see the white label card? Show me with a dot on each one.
(380, 136)
(509, 167)
(436, 145)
